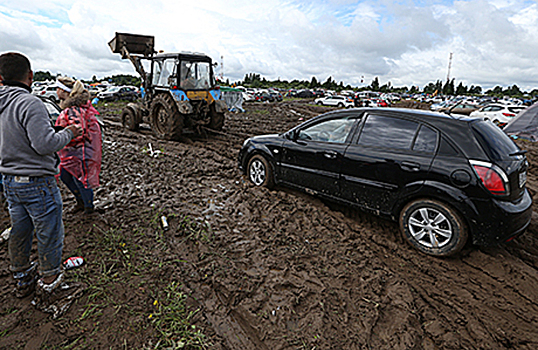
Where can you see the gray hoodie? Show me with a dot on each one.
(28, 142)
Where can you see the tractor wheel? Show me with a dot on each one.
(129, 120)
(217, 119)
(166, 121)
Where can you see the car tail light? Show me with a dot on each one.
(509, 114)
(43, 92)
(492, 177)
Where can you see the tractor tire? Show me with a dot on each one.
(166, 121)
(129, 120)
(217, 119)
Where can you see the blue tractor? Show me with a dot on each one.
(179, 92)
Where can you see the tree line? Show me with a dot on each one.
(257, 81)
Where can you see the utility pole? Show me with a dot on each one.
(222, 68)
(449, 65)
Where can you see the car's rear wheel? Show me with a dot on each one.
(259, 171)
(433, 227)
(340, 105)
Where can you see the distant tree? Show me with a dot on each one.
(513, 91)
(329, 84)
(498, 90)
(314, 83)
(124, 79)
(475, 90)
(43, 76)
(448, 89)
(461, 89)
(430, 88)
(374, 86)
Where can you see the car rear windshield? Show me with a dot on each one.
(494, 141)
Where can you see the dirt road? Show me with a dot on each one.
(266, 269)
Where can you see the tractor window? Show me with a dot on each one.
(167, 76)
(157, 67)
(204, 76)
(195, 75)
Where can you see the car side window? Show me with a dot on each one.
(426, 140)
(388, 132)
(335, 130)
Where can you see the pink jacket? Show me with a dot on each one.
(82, 156)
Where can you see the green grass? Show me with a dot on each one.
(172, 320)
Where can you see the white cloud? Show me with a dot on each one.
(494, 42)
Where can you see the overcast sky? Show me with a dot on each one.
(494, 42)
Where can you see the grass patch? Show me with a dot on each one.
(172, 320)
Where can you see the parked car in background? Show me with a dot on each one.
(305, 94)
(335, 101)
(462, 108)
(50, 92)
(445, 179)
(277, 96)
(263, 96)
(116, 93)
(499, 114)
(444, 105)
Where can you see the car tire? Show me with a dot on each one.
(433, 227)
(319, 103)
(340, 105)
(259, 171)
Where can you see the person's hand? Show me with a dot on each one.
(76, 129)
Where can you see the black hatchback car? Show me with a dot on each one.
(444, 178)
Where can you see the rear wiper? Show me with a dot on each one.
(518, 153)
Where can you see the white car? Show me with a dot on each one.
(498, 113)
(335, 100)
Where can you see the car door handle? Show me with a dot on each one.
(330, 154)
(410, 166)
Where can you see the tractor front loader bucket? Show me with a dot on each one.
(132, 44)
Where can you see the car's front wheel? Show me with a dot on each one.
(259, 171)
(433, 227)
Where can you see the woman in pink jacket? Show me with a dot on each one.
(81, 158)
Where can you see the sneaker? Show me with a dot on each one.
(56, 297)
(25, 281)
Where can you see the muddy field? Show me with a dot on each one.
(263, 269)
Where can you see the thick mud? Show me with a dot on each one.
(275, 269)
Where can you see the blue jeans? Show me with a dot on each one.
(35, 204)
(82, 194)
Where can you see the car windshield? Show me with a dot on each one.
(496, 143)
(113, 89)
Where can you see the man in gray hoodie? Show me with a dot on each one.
(28, 163)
